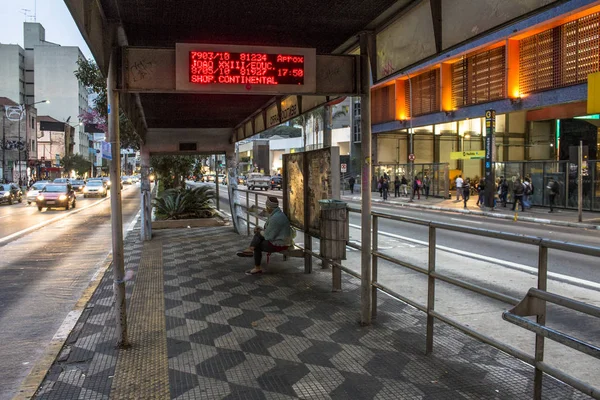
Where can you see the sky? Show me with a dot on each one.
(52, 14)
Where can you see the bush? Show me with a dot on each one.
(185, 203)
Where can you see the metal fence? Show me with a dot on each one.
(564, 172)
(437, 172)
(542, 332)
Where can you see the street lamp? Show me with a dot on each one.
(24, 113)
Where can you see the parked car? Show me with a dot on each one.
(95, 188)
(258, 180)
(56, 195)
(276, 182)
(34, 191)
(9, 193)
(78, 185)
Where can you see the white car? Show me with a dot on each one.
(34, 191)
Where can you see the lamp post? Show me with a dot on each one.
(24, 113)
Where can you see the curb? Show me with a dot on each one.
(491, 214)
(32, 382)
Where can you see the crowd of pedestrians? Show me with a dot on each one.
(401, 185)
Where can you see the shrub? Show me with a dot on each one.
(185, 203)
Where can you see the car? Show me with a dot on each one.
(61, 180)
(34, 191)
(222, 179)
(9, 193)
(127, 180)
(241, 180)
(276, 182)
(136, 178)
(95, 188)
(56, 195)
(78, 185)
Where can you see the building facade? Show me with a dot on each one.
(19, 141)
(49, 75)
(527, 60)
(12, 72)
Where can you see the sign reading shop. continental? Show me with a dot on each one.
(468, 155)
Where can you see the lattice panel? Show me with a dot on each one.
(425, 93)
(561, 56)
(479, 78)
(383, 104)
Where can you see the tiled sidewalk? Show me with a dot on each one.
(282, 335)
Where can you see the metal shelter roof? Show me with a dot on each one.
(331, 27)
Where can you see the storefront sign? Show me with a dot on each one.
(467, 155)
(490, 184)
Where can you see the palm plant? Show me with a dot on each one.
(185, 203)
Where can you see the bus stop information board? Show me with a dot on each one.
(245, 69)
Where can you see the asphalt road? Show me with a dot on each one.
(44, 273)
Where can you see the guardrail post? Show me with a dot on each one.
(374, 266)
(248, 213)
(540, 319)
(430, 290)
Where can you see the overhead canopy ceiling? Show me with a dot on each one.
(328, 26)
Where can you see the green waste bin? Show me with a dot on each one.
(333, 229)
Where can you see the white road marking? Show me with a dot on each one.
(510, 264)
(466, 222)
(67, 326)
(132, 223)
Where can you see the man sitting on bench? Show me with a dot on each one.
(277, 236)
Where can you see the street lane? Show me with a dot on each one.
(19, 216)
(42, 275)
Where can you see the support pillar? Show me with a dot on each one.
(231, 168)
(365, 103)
(146, 196)
(116, 216)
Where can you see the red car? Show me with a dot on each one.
(56, 195)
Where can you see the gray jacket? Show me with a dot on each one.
(277, 229)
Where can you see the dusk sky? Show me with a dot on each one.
(52, 14)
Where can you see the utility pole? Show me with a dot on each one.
(19, 150)
(3, 144)
(580, 182)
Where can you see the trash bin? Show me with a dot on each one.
(334, 229)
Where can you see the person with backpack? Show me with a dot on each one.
(518, 192)
(503, 191)
(351, 183)
(466, 191)
(417, 188)
(396, 187)
(426, 185)
(481, 192)
(380, 186)
(404, 185)
(385, 189)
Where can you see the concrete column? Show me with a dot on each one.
(231, 166)
(365, 104)
(327, 126)
(116, 214)
(146, 196)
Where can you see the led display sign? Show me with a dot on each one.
(245, 69)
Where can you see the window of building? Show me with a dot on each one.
(356, 134)
(425, 97)
(561, 56)
(356, 109)
(479, 78)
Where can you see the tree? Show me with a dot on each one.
(90, 76)
(172, 169)
(76, 163)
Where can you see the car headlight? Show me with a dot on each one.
(85, 190)
(40, 197)
(101, 190)
(62, 197)
(6, 194)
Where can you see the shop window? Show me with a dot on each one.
(561, 56)
(479, 78)
(425, 98)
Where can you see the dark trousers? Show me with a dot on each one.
(426, 192)
(385, 194)
(551, 198)
(503, 198)
(396, 191)
(518, 199)
(352, 188)
(260, 244)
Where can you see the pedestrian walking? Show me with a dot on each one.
(396, 187)
(553, 191)
(466, 191)
(351, 183)
(426, 185)
(417, 188)
(385, 188)
(404, 186)
(459, 185)
(481, 192)
(527, 192)
(380, 186)
(518, 192)
(503, 191)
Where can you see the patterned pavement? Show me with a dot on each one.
(282, 335)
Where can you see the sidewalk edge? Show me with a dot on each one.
(492, 215)
(36, 376)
